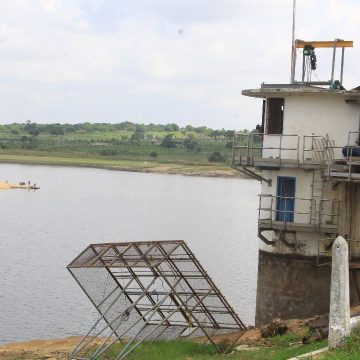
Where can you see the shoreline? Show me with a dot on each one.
(200, 170)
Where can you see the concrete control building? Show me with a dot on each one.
(307, 156)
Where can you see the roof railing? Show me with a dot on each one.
(307, 151)
(247, 148)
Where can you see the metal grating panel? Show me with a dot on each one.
(148, 291)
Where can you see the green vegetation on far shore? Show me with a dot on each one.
(123, 146)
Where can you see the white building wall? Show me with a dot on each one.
(320, 114)
(306, 114)
(313, 114)
(302, 190)
(307, 241)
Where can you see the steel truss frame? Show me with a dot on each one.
(148, 291)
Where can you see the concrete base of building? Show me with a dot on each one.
(291, 287)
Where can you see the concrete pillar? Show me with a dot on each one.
(339, 318)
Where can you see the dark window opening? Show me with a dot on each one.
(274, 115)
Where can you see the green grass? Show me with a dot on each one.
(163, 350)
(114, 148)
(349, 351)
(148, 165)
(277, 348)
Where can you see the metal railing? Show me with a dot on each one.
(313, 148)
(311, 212)
(346, 163)
(325, 250)
(247, 147)
(314, 151)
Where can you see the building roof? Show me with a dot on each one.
(268, 90)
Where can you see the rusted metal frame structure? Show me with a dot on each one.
(219, 294)
(198, 303)
(124, 352)
(155, 274)
(152, 269)
(102, 317)
(187, 304)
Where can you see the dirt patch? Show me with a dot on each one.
(58, 349)
(5, 185)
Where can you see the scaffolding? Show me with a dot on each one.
(145, 291)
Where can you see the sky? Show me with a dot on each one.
(158, 61)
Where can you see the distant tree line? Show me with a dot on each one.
(124, 139)
(139, 130)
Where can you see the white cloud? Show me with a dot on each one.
(178, 58)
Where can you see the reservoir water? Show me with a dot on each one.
(42, 231)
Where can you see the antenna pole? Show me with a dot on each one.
(293, 48)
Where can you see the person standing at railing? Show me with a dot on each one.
(260, 129)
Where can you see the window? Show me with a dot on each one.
(274, 115)
(285, 201)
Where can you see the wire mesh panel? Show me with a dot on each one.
(148, 291)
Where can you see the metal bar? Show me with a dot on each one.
(112, 275)
(86, 293)
(153, 310)
(132, 273)
(233, 150)
(303, 69)
(333, 61)
(184, 247)
(280, 149)
(116, 257)
(293, 47)
(184, 303)
(99, 255)
(79, 256)
(99, 319)
(248, 151)
(127, 311)
(143, 316)
(155, 272)
(208, 278)
(122, 355)
(300, 44)
(342, 69)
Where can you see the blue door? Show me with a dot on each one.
(285, 202)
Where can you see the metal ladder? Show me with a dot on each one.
(317, 191)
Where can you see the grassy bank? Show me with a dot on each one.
(273, 348)
(213, 169)
(349, 351)
(277, 348)
(125, 146)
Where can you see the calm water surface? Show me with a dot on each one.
(42, 231)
